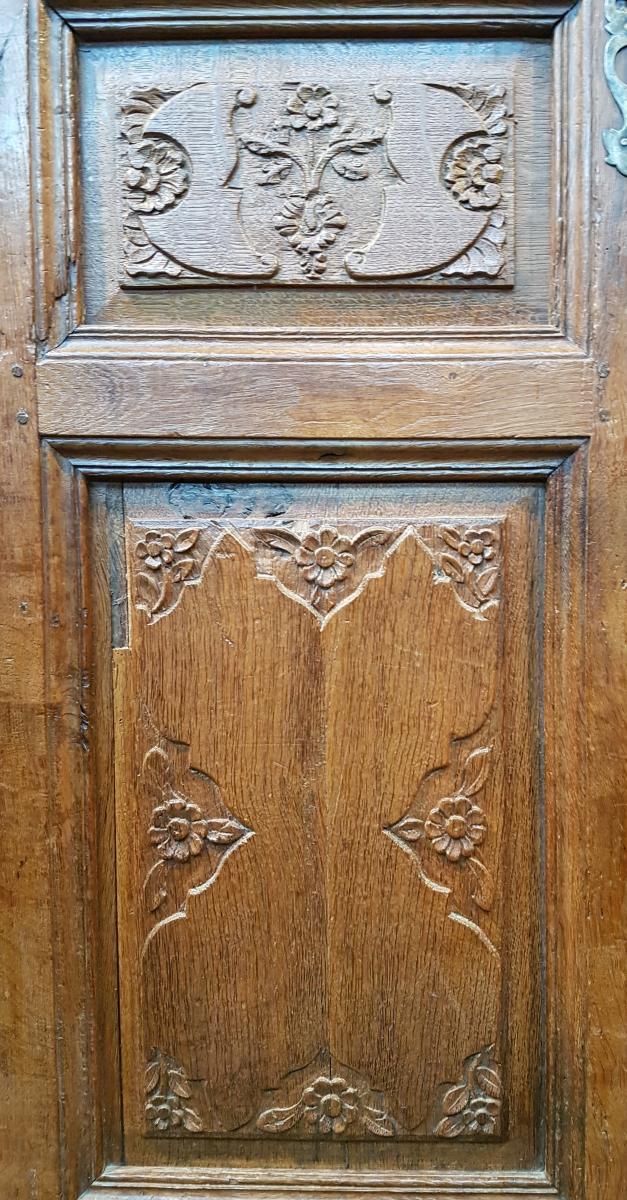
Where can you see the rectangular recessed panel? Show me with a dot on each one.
(327, 819)
(285, 184)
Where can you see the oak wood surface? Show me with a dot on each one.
(273, 676)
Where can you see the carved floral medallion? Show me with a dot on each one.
(311, 181)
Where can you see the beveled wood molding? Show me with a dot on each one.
(131, 1183)
(118, 18)
(324, 460)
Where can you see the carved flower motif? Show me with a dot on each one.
(312, 107)
(475, 174)
(330, 1104)
(179, 829)
(324, 558)
(455, 827)
(156, 550)
(473, 1104)
(477, 546)
(157, 176)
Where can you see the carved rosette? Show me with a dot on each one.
(308, 169)
(471, 1108)
(334, 1102)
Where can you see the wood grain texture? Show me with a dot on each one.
(606, 1074)
(457, 398)
(159, 400)
(374, 922)
(29, 1147)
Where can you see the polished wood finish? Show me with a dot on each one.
(313, 653)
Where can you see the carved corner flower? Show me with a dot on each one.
(470, 560)
(166, 561)
(473, 1105)
(167, 1087)
(312, 107)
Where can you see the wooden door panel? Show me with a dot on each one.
(311, 381)
(351, 846)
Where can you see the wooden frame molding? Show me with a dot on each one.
(83, 855)
(510, 16)
(56, 37)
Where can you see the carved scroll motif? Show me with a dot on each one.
(615, 140)
(309, 181)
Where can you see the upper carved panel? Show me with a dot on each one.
(303, 182)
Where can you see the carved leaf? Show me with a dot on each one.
(192, 1121)
(157, 770)
(279, 1120)
(378, 1122)
(455, 1099)
(157, 898)
(450, 536)
(489, 1082)
(223, 832)
(452, 567)
(182, 569)
(410, 829)
(178, 1083)
(373, 537)
(148, 590)
(152, 1075)
(475, 770)
(278, 539)
(483, 892)
(449, 1127)
(348, 168)
(185, 540)
(485, 581)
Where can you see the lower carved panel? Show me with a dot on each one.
(323, 777)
